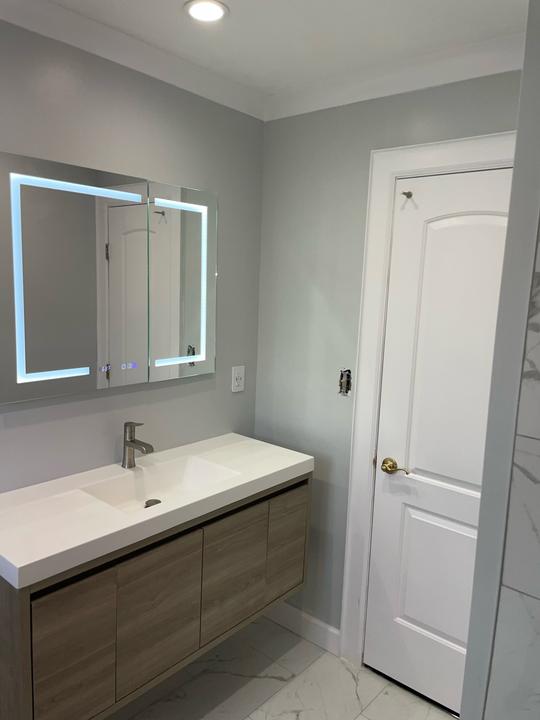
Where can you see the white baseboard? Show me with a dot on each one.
(309, 627)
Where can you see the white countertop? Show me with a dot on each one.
(55, 526)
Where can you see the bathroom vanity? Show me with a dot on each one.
(102, 598)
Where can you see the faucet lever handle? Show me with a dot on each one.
(129, 429)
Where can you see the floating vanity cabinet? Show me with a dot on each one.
(87, 642)
(159, 610)
(234, 570)
(287, 527)
(74, 649)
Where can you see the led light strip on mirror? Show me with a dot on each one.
(203, 210)
(16, 182)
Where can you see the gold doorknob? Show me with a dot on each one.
(390, 466)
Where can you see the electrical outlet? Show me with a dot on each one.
(238, 378)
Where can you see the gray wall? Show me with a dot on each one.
(62, 104)
(314, 207)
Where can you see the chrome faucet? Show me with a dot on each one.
(131, 444)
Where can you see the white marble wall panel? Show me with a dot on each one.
(529, 404)
(514, 691)
(522, 557)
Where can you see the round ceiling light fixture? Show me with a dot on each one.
(206, 10)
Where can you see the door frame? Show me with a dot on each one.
(482, 152)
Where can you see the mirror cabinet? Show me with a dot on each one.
(105, 280)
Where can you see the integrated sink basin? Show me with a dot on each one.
(55, 526)
(189, 477)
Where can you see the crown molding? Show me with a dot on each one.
(71, 28)
(487, 58)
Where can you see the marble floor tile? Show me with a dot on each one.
(394, 703)
(279, 644)
(265, 672)
(226, 684)
(328, 690)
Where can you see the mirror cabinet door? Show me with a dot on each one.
(182, 281)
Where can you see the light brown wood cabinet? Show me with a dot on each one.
(82, 645)
(287, 528)
(234, 575)
(74, 648)
(159, 607)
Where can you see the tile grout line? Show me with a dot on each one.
(388, 684)
(293, 675)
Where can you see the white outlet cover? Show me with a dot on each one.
(238, 378)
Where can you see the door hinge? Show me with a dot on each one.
(106, 369)
(107, 252)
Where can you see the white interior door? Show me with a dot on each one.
(447, 254)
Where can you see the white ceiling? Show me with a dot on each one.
(280, 57)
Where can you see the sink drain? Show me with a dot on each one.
(150, 503)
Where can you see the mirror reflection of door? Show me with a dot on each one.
(128, 295)
(122, 291)
(165, 254)
(174, 282)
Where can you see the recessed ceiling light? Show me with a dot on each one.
(206, 10)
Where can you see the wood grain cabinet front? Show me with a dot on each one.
(159, 611)
(74, 649)
(91, 642)
(287, 528)
(234, 570)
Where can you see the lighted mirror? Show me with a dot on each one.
(106, 280)
(182, 281)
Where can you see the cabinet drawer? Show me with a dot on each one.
(159, 605)
(234, 570)
(287, 527)
(73, 647)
